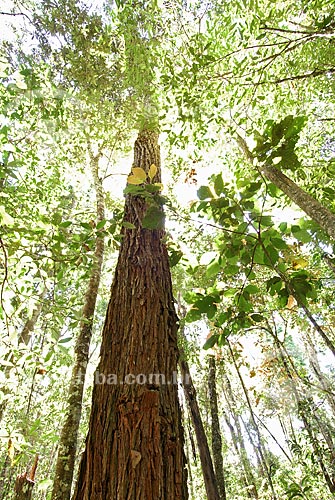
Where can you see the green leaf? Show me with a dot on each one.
(251, 289)
(213, 269)
(301, 234)
(154, 218)
(210, 342)
(218, 185)
(128, 225)
(204, 193)
(66, 223)
(101, 224)
(174, 257)
(65, 340)
(86, 225)
(257, 317)
(279, 243)
(193, 315)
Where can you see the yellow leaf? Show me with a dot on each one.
(134, 180)
(252, 373)
(138, 176)
(291, 302)
(139, 173)
(152, 171)
(299, 263)
(11, 450)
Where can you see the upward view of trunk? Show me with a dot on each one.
(215, 425)
(67, 447)
(315, 210)
(134, 447)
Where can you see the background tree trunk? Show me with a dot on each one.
(67, 447)
(215, 426)
(210, 479)
(314, 209)
(134, 448)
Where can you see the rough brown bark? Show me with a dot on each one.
(215, 426)
(314, 209)
(210, 480)
(134, 447)
(67, 447)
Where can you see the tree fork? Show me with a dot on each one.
(134, 446)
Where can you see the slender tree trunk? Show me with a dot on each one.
(134, 448)
(302, 411)
(260, 446)
(67, 448)
(25, 482)
(314, 362)
(238, 441)
(210, 479)
(329, 343)
(25, 337)
(314, 209)
(215, 425)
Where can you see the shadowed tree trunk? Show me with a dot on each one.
(215, 425)
(314, 209)
(67, 447)
(134, 447)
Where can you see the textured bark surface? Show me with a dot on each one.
(215, 427)
(134, 447)
(314, 209)
(207, 468)
(67, 447)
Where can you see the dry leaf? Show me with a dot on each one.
(135, 457)
(291, 302)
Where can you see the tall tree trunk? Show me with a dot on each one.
(210, 479)
(314, 209)
(134, 448)
(215, 425)
(67, 448)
